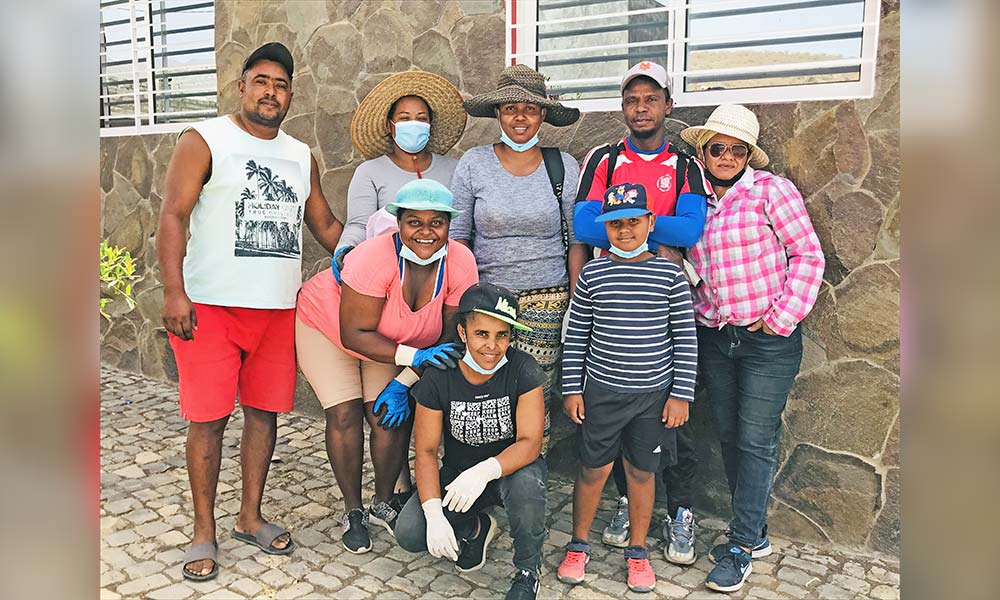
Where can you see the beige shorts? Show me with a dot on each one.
(335, 375)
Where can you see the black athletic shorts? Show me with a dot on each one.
(626, 423)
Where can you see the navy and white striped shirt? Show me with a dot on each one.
(631, 328)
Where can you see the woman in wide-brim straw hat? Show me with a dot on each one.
(761, 267)
(404, 126)
(511, 217)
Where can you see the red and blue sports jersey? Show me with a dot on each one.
(679, 203)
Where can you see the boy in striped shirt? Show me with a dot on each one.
(629, 366)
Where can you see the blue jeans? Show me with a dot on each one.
(522, 494)
(748, 375)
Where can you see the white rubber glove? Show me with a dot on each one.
(469, 485)
(440, 535)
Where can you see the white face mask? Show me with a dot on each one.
(467, 359)
(410, 255)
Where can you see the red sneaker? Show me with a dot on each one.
(640, 573)
(572, 570)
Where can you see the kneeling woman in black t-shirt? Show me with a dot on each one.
(491, 413)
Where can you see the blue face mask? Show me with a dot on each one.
(412, 136)
(411, 256)
(467, 359)
(514, 145)
(619, 252)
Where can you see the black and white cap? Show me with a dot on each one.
(492, 300)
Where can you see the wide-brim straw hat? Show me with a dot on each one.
(735, 120)
(369, 128)
(520, 83)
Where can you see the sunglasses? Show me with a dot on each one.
(739, 151)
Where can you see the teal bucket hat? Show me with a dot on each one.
(423, 194)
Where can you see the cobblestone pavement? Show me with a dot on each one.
(146, 525)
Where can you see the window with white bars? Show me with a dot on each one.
(716, 51)
(157, 65)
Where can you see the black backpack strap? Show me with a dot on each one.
(557, 172)
(682, 167)
(612, 163)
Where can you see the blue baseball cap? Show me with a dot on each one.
(423, 194)
(623, 201)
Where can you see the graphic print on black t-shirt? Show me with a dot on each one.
(483, 421)
(268, 216)
(478, 421)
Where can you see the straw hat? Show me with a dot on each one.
(735, 120)
(369, 131)
(520, 83)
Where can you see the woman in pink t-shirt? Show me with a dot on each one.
(359, 340)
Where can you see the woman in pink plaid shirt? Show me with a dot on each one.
(761, 267)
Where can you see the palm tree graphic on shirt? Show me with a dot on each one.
(268, 215)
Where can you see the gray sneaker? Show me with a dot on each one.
(680, 532)
(384, 514)
(616, 533)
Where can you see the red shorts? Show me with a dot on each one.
(249, 350)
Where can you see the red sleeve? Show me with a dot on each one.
(370, 268)
(593, 175)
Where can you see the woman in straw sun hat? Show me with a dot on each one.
(404, 126)
(520, 232)
(355, 339)
(761, 267)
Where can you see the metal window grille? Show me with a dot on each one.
(715, 51)
(157, 65)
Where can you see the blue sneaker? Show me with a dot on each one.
(730, 572)
(760, 550)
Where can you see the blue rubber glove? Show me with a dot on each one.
(395, 399)
(442, 356)
(337, 263)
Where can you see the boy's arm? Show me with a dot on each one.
(577, 337)
(685, 338)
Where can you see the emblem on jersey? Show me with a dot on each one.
(663, 183)
(619, 196)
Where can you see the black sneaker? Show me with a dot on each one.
(384, 514)
(356, 538)
(399, 499)
(731, 571)
(472, 555)
(524, 586)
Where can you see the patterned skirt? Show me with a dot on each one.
(543, 309)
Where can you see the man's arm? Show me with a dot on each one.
(683, 228)
(189, 168)
(587, 230)
(319, 218)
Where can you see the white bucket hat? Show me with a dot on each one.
(735, 120)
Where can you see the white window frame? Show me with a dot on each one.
(522, 48)
(140, 16)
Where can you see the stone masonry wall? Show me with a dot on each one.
(839, 475)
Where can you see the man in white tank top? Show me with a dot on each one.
(243, 188)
